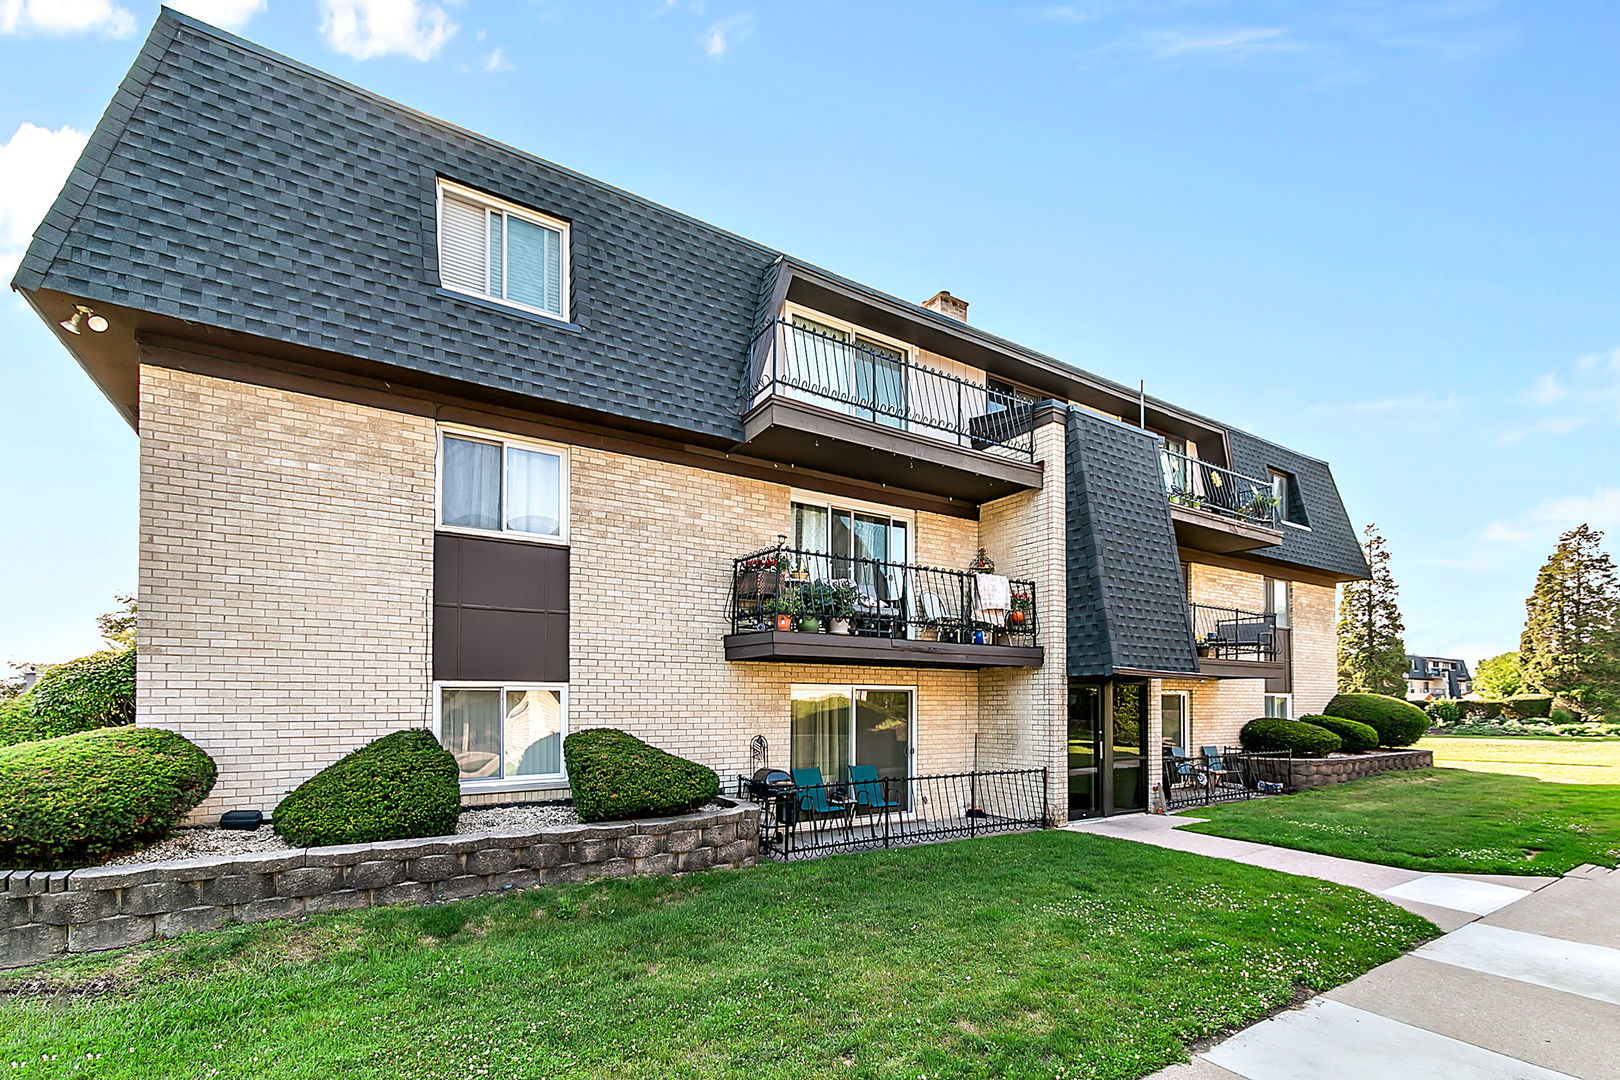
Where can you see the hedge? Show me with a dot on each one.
(1274, 733)
(1398, 723)
(76, 799)
(1489, 710)
(1354, 736)
(91, 692)
(1529, 706)
(399, 787)
(615, 775)
(1445, 710)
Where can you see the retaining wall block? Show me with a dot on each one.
(79, 906)
(491, 860)
(307, 881)
(192, 919)
(25, 945)
(374, 874)
(433, 867)
(113, 933)
(460, 887)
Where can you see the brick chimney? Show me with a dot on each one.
(947, 305)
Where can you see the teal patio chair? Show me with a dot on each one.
(1215, 765)
(867, 788)
(812, 791)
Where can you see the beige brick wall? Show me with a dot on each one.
(1025, 709)
(285, 572)
(1219, 707)
(1315, 640)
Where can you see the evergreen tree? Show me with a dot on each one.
(1372, 655)
(1571, 642)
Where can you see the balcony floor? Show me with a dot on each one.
(790, 646)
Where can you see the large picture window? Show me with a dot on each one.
(491, 484)
(504, 732)
(493, 249)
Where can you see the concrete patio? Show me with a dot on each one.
(1523, 984)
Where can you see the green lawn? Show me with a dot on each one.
(1445, 820)
(1568, 761)
(1049, 954)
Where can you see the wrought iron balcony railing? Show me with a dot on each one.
(1203, 485)
(1234, 634)
(792, 589)
(883, 386)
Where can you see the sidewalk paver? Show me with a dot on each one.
(1457, 893)
(1574, 967)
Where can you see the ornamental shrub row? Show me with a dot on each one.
(399, 787)
(1354, 736)
(1296, 736)
(94, 691)
(615, 775)
(1398, 723)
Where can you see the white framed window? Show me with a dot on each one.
(1175, 718)
(503, 252)
(1280, 706)
(503, 735)
(489, 483)
(1277, 600)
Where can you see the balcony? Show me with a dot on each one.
(790, 604)
(1217, 510)
(861, 409)
(1237, 644)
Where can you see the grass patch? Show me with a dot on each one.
(1560, 759)
(1051, 954)
(1441, 820)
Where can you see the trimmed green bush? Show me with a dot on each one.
(399, 787)
(1354, 736)
(1444, 710)
(1486, 710)
(1273, 733)
(76, 799)
(615, 775)
(1398, 723)
(94, 691)
(1528, 706)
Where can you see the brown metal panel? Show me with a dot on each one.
(788, 646)
(500, 610)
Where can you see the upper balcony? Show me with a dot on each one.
(1217, 510)
(861, 408)
(804, 606)
(1233, 643)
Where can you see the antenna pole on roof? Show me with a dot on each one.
(1141, 403)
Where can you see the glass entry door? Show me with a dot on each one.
(834, 727)
(1108, 747)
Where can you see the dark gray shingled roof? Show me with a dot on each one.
(1127, 606)
(232, 187)
(1329, 540)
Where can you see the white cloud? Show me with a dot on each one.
(1068, 13)
(721, 36)
(1558, 425)
(1422, 399)
(230, 14)
(367, 28)
(1544, 521)
(1231, 44)
(495, 61)
(65, 17)
(34, 164)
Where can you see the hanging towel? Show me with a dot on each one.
(992, 596)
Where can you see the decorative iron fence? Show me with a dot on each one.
(802, 821)
(1203, 485)
(1234, 634)
(783, 588)
(1217, 775)
(873, 382)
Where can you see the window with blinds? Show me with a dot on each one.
(496, 250)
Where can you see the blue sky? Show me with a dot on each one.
(1383, 233)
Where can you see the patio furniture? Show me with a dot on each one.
(1178, 767)
(1215, 767)
(867, 789)
(815, 800)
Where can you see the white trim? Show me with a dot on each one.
(557, 779)
(534, 217)
(1186, 716)
(790, 309)
(1288, 709)
(560, 451)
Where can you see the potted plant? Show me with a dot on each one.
(1019, 613)
(844, 595)
(761, 576)
(1263, 505)
(784, 608)
(817, 604)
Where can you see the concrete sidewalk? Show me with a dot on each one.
(1524, 984)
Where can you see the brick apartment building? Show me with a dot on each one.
(436, 433)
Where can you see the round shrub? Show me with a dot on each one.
(399, 787)
(75, 799)
(1486, 710)
(93, 691)
(1354, 736)
(615, 775)
(1529, 706)
(1273, 733)
(1445, 710)
(1398, 723)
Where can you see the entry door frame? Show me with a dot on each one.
(1103, 789)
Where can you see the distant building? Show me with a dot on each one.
(1431, 677)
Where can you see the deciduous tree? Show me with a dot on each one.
(1500, 676)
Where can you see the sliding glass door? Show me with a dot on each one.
(849, 372)
(1108, 746)
(834, 727)
(857, 542)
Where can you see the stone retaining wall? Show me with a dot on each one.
(44, 914)
(1319, 772)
